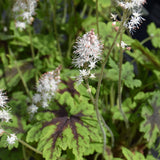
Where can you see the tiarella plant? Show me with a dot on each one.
(78, 86)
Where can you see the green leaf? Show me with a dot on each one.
(5, 37)
(150, 157)
(12, 76)
(70, 123)
(89, 23)
(4, 144)
(128, 107)
(139, 156)
(90, 3)
(155, 34)
(127, 153)
(75, 132)
(127, 74)
(103, 3)
(132, 156)
(113, 72)
(34, 133)
(151, 114)
(145, 56)
(11, 155)
(143, 96)
(18, 126)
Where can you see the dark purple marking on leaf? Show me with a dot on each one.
(62, 121)
(61, 124)
(62, 112)
(154, 119)
(70, 88)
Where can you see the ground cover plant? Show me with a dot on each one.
(74, 83)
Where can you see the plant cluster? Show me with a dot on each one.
(74, 83)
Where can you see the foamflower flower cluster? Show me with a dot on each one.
(46, 90)
(87, 53)
(5, 116)
(135, 7)
(4, 110)
(3, 99)
(24, 10)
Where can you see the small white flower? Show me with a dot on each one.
(138, 3)
(123, 45)
(32, 108)
(15, 8)
(11, 139)
(92, 76)
(44, 104)
(84, 73)
(128, 5)
(3, 99)
(114, 16)
(5, 115)
(114, 23)
(47, 96)
(26, 15)
(39, 88)
(79, 80)
(21, 25)
(92, 64)
(36, 98)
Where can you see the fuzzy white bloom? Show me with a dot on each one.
(36, 98)
(5, 115)
(92, 76)
(114, 16)
(47, 96)
(4, 112)
(87, 49)
(84, 73)
(21, 25)
(79, 80)
(24, 11)
(3, 99)
(44, 104)
(135, 7)
(46, 90)
(32, 108)
(133, 4)
(92, 65)
(123, 45)
(87, 53)
(138, 3)
(48, 84)
(11, 139)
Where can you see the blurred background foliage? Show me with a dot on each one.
(48, 42)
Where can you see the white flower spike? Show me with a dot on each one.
(87, 53)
